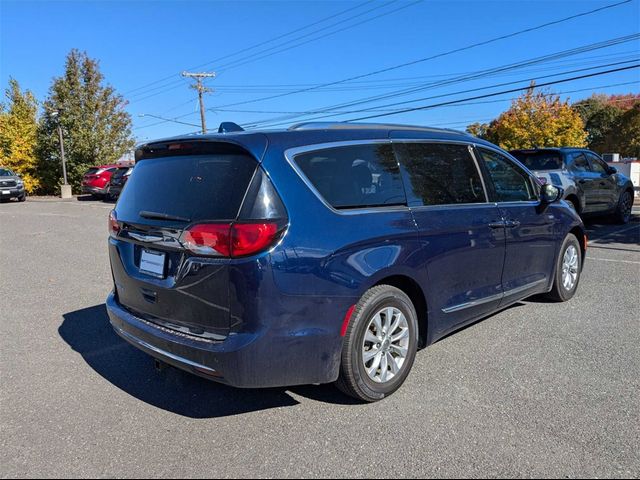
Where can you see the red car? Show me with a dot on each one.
(96, 180)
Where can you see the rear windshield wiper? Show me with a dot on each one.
(163, 216)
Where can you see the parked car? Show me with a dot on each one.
(328, 252)
(591, 186)
(117, 182)
(11, 186)
(96, 180)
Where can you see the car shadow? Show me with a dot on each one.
(604, 232)
(88, 332)
(87, 198)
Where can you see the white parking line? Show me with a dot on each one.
(610, 260)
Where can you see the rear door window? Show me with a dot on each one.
(193, 187)
(440, 174)
(510, 182)
(578, 162)
(597, 165)
(354, 176)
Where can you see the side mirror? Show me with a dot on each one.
(612, 170)
(550, 193)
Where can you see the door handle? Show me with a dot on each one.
(512, 223)
(496, 225)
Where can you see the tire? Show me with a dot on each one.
(625, 205)
(564, 289)
(22, 198)
(354, 379)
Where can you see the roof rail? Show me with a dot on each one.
(227, 127)
(362, 126)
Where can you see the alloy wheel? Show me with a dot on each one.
(386, 344)
(570, 266)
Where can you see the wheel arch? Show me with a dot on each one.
(581, 235)
(415, 293)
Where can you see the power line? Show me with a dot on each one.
(474, 76)
(234, 64)
(555, 82)
(432, 57)
(144, 87)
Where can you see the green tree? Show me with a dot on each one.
(478, 130)
(536, 119)
(610, 122)
(95, 126)
(18, 127)
(626, 135)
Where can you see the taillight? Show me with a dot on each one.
(230, 240)
(250, 238)
(208, 239)
(114, 226)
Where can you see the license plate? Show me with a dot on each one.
(152, 263)
(6, 192)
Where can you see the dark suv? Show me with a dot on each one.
(590, 186)
(328, 252)
(11, 186)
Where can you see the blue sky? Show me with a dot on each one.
(139, 43)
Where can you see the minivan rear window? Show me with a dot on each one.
(92, 171)
(354, 176)
(193, 187)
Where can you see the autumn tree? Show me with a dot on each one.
(536, 119)
(610, 122)
(18, 127)
(95, 126)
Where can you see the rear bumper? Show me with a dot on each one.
(94, 190)
(267, 358)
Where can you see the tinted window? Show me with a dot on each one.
(440, 174)
(92, 171)
(197, 187)
(597, 165)
(5, 172)
(578, 162)
(510, 183)
(539, 160)
(354, 176)
(120, 172)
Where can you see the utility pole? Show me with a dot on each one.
(201, 90)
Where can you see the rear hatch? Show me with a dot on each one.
(169, 258)
(545, 164)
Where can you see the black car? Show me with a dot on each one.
(117, 181)
(11, 186)
(590, 186)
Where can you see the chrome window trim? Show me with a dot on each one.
(291, 153)
(491, 298)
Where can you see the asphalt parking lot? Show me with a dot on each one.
(538, 390)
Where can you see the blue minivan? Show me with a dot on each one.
(328, 252)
